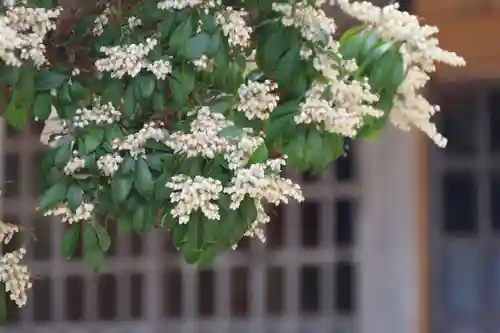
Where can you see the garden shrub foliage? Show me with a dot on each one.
(182, 114)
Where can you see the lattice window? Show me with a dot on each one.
(465, 219)
(304, 279)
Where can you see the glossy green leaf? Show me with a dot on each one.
(103, 237)
(63, 154)
(260, 155)
(47, 80)
(287, 65)
(42, 106)
(94, 259)
(144, 182)
(53, 196)
(21, 100)
(120, 188)
(196, 46)
(207, 256)
(129, 103)
(74, 197)
(70, 240)
(93, 139)
(230, 132)
(128, 165)
(181, 34)
(145, 85)
(179, 235)
(114, 92)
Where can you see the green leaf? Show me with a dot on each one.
(196, 46)
(260, 155)
(144, 182)
(165, 27)
(63, 154)
(223, 105)
(248, 210)
(69, 241)
(181, 33)
(113, 92)
(145, 85)
(120, 188)
(209, 22)
(74, 197)
(128, 165)
(10, 75)
(158, 101)
(194, 238)
(94, 259)
(350, 42)
(113, 132)
(42, 106)
(125, 222)
(139, 218)
(208, 256)
(129, 103)
(214, 45)
(168, 221)
(161, 192)
(314, 150)
(295, 150)
(287, 65)
(230, 132)
(179, 235)
(93, 139)
(21, 100)
(277, 127)
(53, 196)
(288, 108)
(103, 237)
(79, 92)
(275, 47)
(63, 96)
(48, 80)
(179, 93)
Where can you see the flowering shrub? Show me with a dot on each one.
(181, 114)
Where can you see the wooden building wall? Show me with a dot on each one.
(469, 27)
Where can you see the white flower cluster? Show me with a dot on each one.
(203, 140)
(420, 51)
(134, 142)
(192, 194)
(100, 21)
(98, 114)
(131, 59)
(256, 99)
(352, 99)
(181, 4)
(312, 22)
(204, 64)
(260, 182)
(134, 21)
(109, 164)
(23, 31)
(234, 27)
(344, 113)
(75, 164)
(82, 213)
(15, 276)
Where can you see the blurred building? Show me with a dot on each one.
(399, 237)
